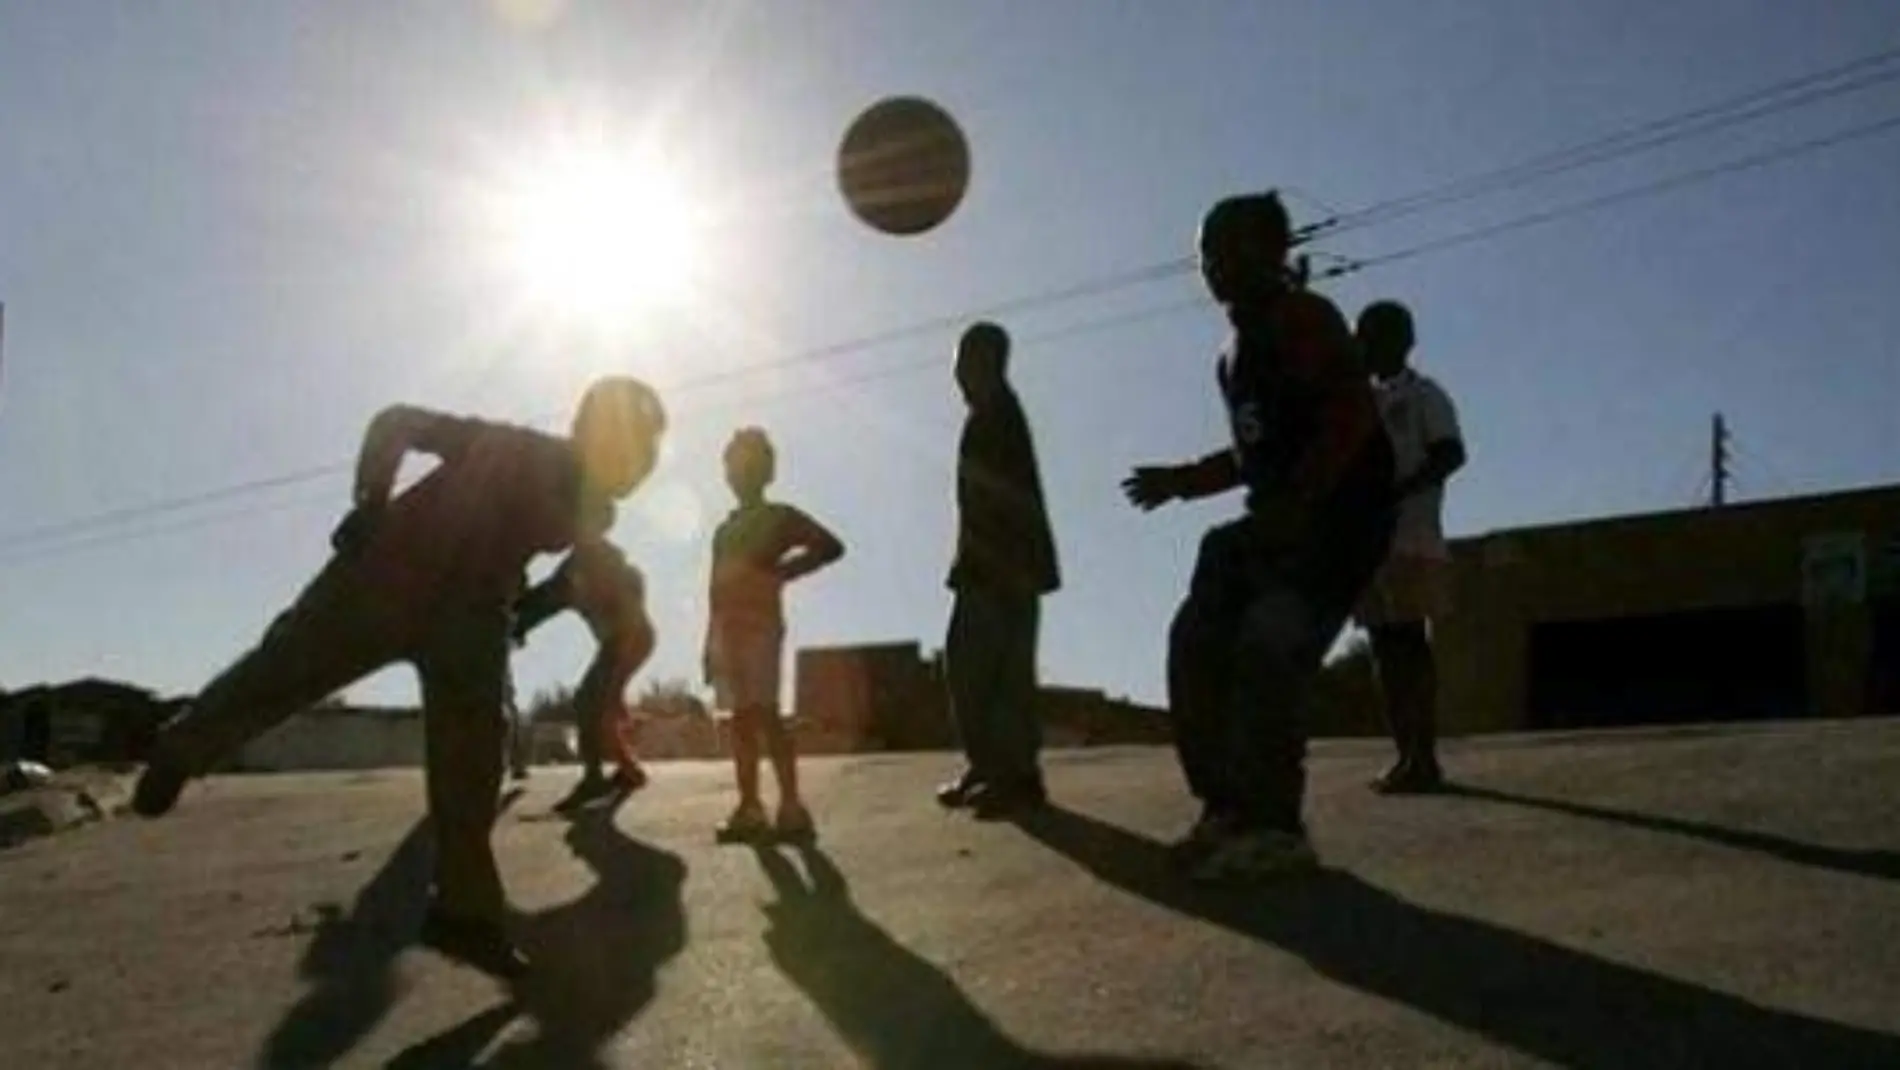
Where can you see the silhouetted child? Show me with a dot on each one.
(1005, 566)
(1411, 594)
(597, 582)
(430, 576)
(1272, 589)
(759, 548)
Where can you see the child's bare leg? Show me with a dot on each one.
(613, 733)
(747, 823)
(587, 740)
(332, 636)
(745, 756)
(779, 746)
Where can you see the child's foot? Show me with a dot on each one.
(481, 944)
(795, 824)
(630, 779)
(1398, 771)
(1256, 855)
(1208, 833)
(1009, 799)
(960, 792)
(158, 788)
(592, 788)
(746, 825)
(1411, 778)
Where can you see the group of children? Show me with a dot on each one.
(761, 546)
(435, 576)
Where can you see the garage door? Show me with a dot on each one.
(1705, 665)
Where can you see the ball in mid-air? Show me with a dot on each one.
(904, 165)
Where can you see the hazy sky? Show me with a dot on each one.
(231, 231)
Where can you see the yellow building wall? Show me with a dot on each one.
(1751, 554)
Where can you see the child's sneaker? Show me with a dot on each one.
(1411, 778)
(746, 825)
(795, 824)
(1256, 855)
(1190, 850)
(591, 789)
(483, 945)
(630, 779)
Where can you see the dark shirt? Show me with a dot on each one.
(1003, 538)
(466, 531)
(1304, 417)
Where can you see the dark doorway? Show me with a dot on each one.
(1739, 664)
(1884, 682)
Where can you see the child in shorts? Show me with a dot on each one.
(759, 548)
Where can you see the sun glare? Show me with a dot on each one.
(596, 237)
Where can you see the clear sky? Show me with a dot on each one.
(231, 231)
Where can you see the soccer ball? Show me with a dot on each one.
(904, 166)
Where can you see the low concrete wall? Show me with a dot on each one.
(373, 739)
(336, 740)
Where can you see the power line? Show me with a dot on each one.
(1754, 104)
(1637, 138)
(1099, 286)
(1752, 458)
(1121, 280)
(1687, 467)
(1861, 132)
(96, 539)
(83, 524)
(13, 556)
(1089, 326)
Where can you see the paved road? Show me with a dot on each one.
(1721, 898)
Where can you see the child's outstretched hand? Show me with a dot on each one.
(1151, 486)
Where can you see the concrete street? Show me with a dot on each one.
(1723, 897)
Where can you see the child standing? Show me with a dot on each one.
(759, 548)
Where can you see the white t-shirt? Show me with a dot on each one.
(1417, 413)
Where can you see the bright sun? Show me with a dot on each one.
(595, 236)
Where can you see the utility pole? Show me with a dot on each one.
(1718, 463)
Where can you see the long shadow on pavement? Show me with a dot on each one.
(1533, 996)
(351, 961)
(1873, 863)
(892, 1006)
(596, 960)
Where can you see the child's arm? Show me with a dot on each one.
(391, 434)
(810, 547)
(1154, 485)
(546, 599)
(394, 432)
